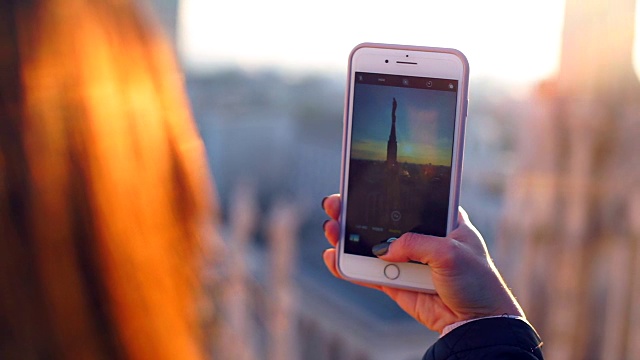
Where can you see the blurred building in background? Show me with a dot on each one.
(571, 239)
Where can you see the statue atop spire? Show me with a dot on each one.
(392, 144)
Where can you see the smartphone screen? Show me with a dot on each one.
(400, 161)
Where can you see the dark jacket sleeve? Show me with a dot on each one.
(493, 338)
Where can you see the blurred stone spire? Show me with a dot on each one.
(571, 235)
(597, 51)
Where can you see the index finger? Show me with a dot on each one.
(331, 205)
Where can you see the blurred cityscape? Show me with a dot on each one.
(539, 182)
(282, 135)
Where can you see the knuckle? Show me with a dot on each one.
(410, 242)
(450, 253)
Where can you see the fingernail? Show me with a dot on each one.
(324, 224)
(381, 249)
(323, 199)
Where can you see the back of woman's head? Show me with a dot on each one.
(104, 193)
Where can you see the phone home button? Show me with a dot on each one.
(391, 271)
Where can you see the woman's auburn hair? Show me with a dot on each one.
(104, 189)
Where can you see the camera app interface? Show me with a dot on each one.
(400, 161)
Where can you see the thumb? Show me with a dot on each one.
(432, 250)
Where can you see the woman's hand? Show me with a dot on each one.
(467, 283)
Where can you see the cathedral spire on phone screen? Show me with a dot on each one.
(392, 144)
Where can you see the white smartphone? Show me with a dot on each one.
(404, 123)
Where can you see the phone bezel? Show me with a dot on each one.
(405, 61)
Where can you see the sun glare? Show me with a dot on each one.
(507, 40)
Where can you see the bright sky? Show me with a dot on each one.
(514, 41)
